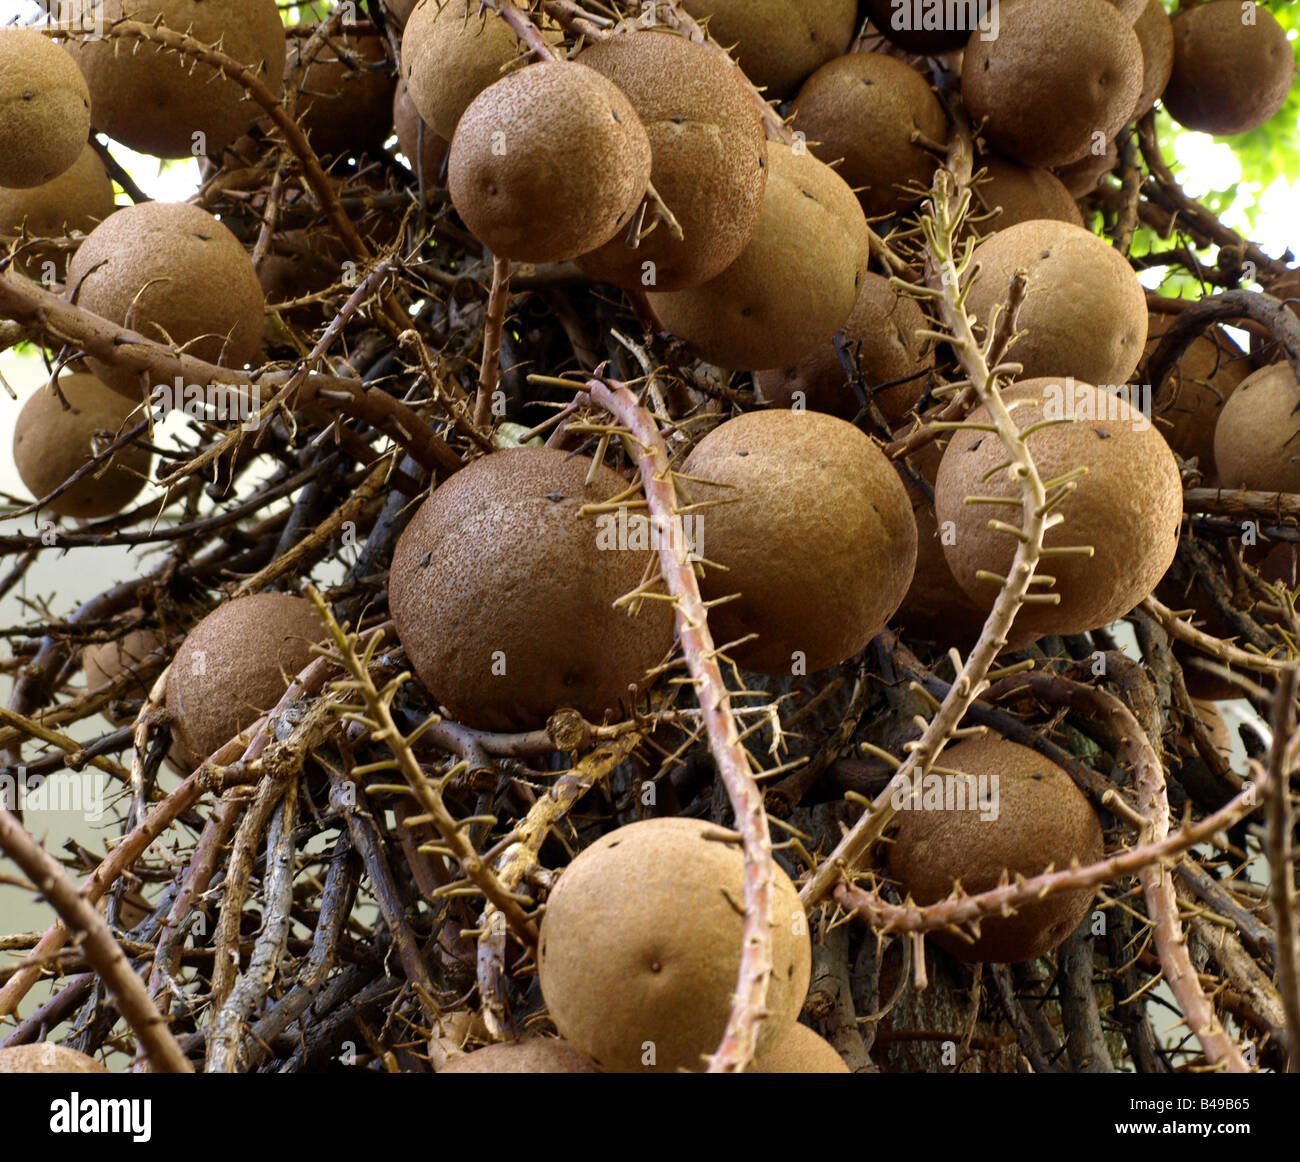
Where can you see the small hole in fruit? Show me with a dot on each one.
(655, 966)
(1102, 434)
(28, 95)
(555, 497)
(424, 561)
(492, 189)
(742, 453)
(614, 114)
(676, 118)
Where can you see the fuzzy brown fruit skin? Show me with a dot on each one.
(1228, 77)
(78, 199)
(936, 608)
(498, 567)
(793, 286)
(1080, 59)
(1128, 506)
(177, 275)
(231, 668)
(50, 443)
(1022, 193)
(1044, 821)
(46, 1057)
(1085, 312)
(709, 158)
(863, 108)
(799, 1051)
(930, 42)
(416, 138)
(44, 109)
(779, 42)
(1255, 443)
(816, 535)
(103, 662)
(548, 163)
(1155, 33)
(155, 101)
(882, 335)
(531, 1055)
(343, 106)
(450, 53)
(1188, 408)
(641, 942)
(1085, 174)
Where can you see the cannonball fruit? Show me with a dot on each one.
(1127, 506)
(940, 30)
(235, 665)
(779, 42)
(639, 949)
(344, 94)
(865, 108)
(882, 336)
(177, 275)
(709, 159)
(1084, 313)
(78, 199)
(1015, 193)
(799, 1051)
(503, 593)
(1155, 33)
(173, 106)
(793, 286)
(44, 109)
(1057, 73)
(1230, 75)
(548, 163)
(46, 1057)
(815, 532)
(531, 1055)
(1040, 820)
(418, 140)
(1188, 407)
(451, 52)
(1255, 442)
(52, 441)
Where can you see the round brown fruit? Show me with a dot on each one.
(451, 51)
(51, 442)
(641, 944)
(1084, 313)
(1085, 174)
(953, 31)
(1188, 408)
(44, 109)
(1043, 821)
(344, 94)
(46, 1057)
(78, 199)
(104, 662)
(1155, 33)
(548, 163)
(793, 286)
(418, 139)
(156, 101)
(1127, 506)
(865, 108)
(799, 1051)
(172, 272)
(1021, 193)
(1229, 76)
(881, 333)
(531, 1055)
(503, 594)
(1058, 72)
(1255, 440)
(936, 608)
(235, 665)
(815, 533)
(709, 159)
(779, 42)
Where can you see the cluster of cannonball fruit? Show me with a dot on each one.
(756, 258)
